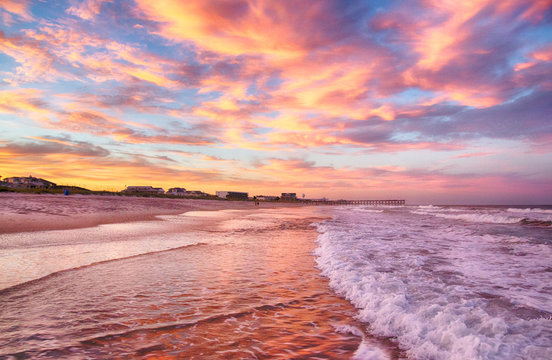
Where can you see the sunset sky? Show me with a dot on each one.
(432, 101)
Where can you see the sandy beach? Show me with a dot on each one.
(165, 278)
(30, 212)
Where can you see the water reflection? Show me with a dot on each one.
(244, 292)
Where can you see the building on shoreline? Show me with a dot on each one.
(177, 191)
(233, 195)
(196, 193)
(29, 182)
(288, 196)
(144, 189)
(267, 198)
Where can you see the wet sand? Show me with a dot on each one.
(243, 285)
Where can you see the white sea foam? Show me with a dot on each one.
(367, 348)
(31, 255)
(366, 210)
(443, 291)
(530, 210)
(430, 207)
(482, 217)
(485, 215)
(367, 351)
(533, 213)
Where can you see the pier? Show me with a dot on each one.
(357, 202)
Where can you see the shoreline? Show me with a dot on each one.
(249, 253)
(44, 212)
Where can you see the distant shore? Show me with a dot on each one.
(31, 212)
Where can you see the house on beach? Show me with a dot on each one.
(267, 198)
(177, 191)
(196, 193)
(144, 189)
(29, 182)
(288, 196)
(233, 195)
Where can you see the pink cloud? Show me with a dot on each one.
(17, 7)
(448, 53)
(87, 9)
(282, 30)
(470, 155)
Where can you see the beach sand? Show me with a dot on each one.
(32, 212)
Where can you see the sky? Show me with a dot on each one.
(431, 101)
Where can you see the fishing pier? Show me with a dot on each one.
(356, 202)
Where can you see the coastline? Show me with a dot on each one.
(42, 212)
(247, 269)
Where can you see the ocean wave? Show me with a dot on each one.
(530, 210)
(424, 285)
(31, 281)
(438, 329)
(364, 210)
(533, 222)
(429, 207)
(432, 209)
(492, 218)
(532, 213)
(482, 218)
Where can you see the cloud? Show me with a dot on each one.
(99, 123)
(73, 162)
(470, 155)
(35, 62)
(17, 7)
(449, 53)
(416, 184)
(68, 52)
(22, 101)
(144, 98)
(528, 117)
(87, 9)
(275, 79)
(282, 30)
(45, 146)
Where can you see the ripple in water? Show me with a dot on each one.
(244, 292)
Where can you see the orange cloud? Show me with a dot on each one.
(80, 163)
(22, 101)
(45, 53)
(18, 7)
(35, 62)
(229, 27)
(470, 155)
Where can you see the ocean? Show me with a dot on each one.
(324, 282)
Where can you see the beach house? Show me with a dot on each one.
(233, 195)
(143, 189)
(267, 198)
(176, 191)
(29, 182)
(288, 196)
(196, 193)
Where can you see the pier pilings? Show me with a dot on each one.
(357, 202)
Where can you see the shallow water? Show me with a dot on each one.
(245, 287)
(413, 282)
